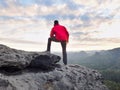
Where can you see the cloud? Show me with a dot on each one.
(3, 3)
(87, 21)
(19, 41)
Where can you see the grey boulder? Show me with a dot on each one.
(18, 59)
(40, 71)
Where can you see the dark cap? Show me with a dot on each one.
(56, 22)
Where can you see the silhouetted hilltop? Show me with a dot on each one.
(105, 59)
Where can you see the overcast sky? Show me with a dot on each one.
(92, 24)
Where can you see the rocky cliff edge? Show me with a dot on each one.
(22, 70)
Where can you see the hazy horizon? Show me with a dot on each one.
(93, 25)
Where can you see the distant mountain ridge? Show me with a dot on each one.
(105, 59)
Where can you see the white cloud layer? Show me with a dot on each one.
(92, 24)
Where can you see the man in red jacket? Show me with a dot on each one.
(59, 34)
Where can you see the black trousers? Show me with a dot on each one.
(63, 44)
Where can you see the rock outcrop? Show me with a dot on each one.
(18, 59)
(40, 71)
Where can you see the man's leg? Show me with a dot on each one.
(49, 43)
(64, 52)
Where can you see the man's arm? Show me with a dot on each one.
(67, 33)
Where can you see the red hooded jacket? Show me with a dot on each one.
(60, 33)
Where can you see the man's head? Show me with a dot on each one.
(56, 22)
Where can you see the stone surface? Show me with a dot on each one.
(34, 72)
(70, 77)
(21, 59)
